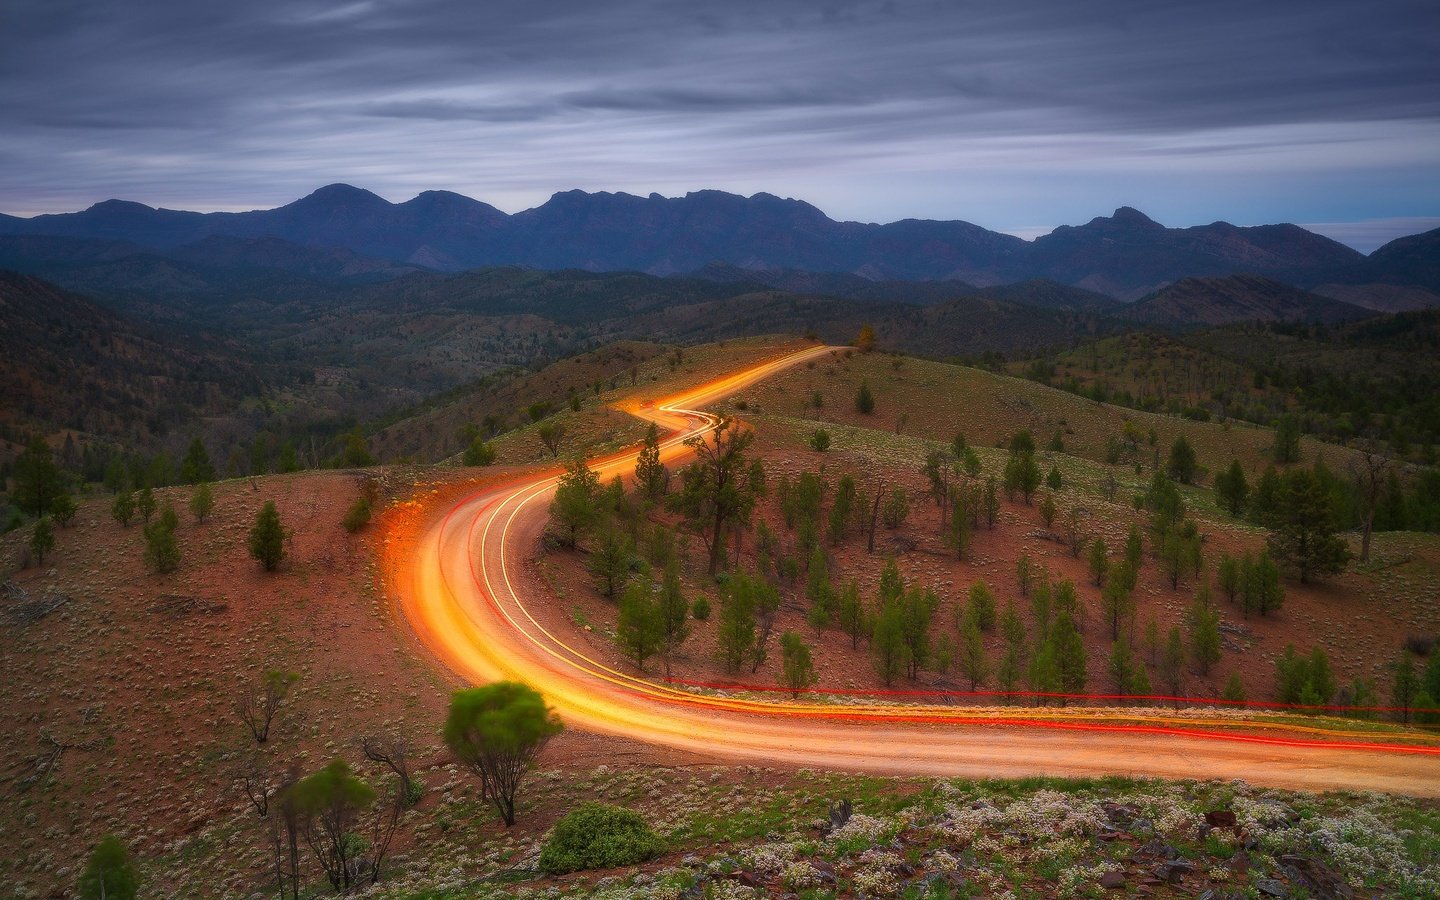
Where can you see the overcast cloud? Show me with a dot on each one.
(1013, 115)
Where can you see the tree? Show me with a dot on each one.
(1069, 653)
(1180, 464)
(1048, 510)
(991, 502)
(981, 608)
(258, 703)
(1230, 576)
(720, 487)
(1234, 690)
(1053, 480)
(109, 874)
(1134, 548)
(850, 614)
(1287, 440)
(355, 451)
(42, 539)
(896, 509)
(1405, 687)
(550, 434)
(640, 632)
(864, 400)
(122, 509)
(145, 503)
(735, 631)
(1204, 622)
(917, 610)
(574, 508)
(63, 509)
(1231, 489)
(1304, 537)
(1261, 591)
(196, 467)
(162, 551)
(1099, 560)
(974, 665)
(1369, 470)
(329, 803)
(610, 563)
(1172, 663)
(498, 731)
(651, 476)
(202, 501)
(1123, 669)
(1117, 600)
(887, 642)
(865, 340)
(798, 668)
(38, 479)
(819, 440)
(1022, 475)
(480, 452)
(674, 619)
(267, 537)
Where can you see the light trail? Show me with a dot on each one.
(464, 588)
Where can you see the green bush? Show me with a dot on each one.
(597, 836)
(701, 610)
(358, 516)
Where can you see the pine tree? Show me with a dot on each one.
(850, 614)
(145, 503)
(864, 399)
(1069, 651)
(887, 642)
(267, 537)
(1172, 663)
(610, 563)
(575, 509)
(109, 874)
(42, 539)
(674, 613)
(1304, 537)
(1204, 622)
(1099, 560)
(974, 665)
(1117, 600)
(1234, 689)
(651, 477)
(640, 630)
(1181, 465)
(735, 632)
(122, 509)
(196, 467)
(1231, 489)
(981, 608)
(162, 551)
(38, 480)
(1287, 440)
(202, 501)
(796, 664)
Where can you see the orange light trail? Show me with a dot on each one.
(463, 591)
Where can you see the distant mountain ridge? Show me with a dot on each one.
(1126, 255)
(1229, 300)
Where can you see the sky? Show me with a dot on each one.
(1015, 115)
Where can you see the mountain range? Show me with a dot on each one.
(1125, 256)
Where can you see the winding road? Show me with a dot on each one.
(471, 600)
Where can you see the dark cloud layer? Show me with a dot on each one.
(1006, 113)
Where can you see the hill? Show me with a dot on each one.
(1200, 302)
(1125, 255)
(68, 363)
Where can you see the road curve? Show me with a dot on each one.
(469, 599)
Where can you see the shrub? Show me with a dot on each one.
(358, 516)
(598, 836)
(1420, 644)
(701, 609)
(820, 440)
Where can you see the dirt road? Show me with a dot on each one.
(469, 598)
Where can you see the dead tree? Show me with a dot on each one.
(393, 752)
(1369, 469)
(258, 705)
